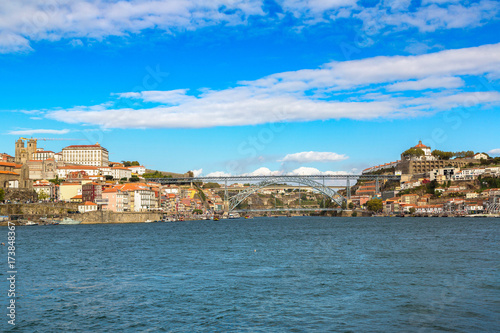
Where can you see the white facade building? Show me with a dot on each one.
(93, 155)
(62, 172)
(43, 155)
(144, 200)
(140, 170)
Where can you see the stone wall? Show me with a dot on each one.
(42, 209)
(113, 217)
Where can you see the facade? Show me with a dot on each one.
(45, 190)
(443, 174)
(90, 155)
(91, 192)
(43, 155)
(9, 175)
(42, 169)
(62, 172)
(67, 191)
(115, 200)
(87, 207)
(22, 153)
(144, 199)
(140, 170)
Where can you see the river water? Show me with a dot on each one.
(303, 274)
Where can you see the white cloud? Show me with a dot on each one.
(38, 131)
(24, 21)
(218, 174)
(494, 151)
(330, 92)
(448, 82)
(304, 171)
(263, 172)
(197, 173)
(314, 156)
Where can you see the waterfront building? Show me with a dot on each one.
(91, 192)
(87, 207)
(115, 200)
(91, 155)
(411, 199)
(67, 191)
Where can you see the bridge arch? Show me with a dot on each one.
(234, 201)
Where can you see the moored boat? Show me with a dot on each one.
(68, 220)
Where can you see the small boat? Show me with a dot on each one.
(69, 221)
(30, 223)
(149, 221)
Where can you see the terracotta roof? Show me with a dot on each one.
(9, 173)
(78, 196)
(421, 145)
(10, 164)
(88, 203)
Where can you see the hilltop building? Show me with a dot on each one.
(90, 155)
(22, 153)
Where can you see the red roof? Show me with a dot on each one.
(420, 145)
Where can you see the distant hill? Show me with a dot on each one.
(166, 173)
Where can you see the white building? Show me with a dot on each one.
(87, 207)
(94, 155)
(116, 172)
(43, 155)
(138, 169)
(144, 200)
(62, 172)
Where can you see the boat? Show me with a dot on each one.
(149, 221)
(234, 216)
(68, 220)
(30, 223)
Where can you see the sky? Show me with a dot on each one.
(229, 87)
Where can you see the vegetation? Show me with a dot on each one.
(464, 154)
(56, 180)
(489, 182)
(156, 174)
(374, 205)
(412, 210)
(412, 152)
(351, 205)
(2, 194)
(354, 214)
(197, 211)
(443, 155)
(43, 195)
(130, 163)
(211, 185)
(133, 179)
(108, 177)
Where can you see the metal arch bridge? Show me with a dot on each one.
(234, 201)
(263, 181)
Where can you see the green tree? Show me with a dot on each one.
(43, 195)
(133, 179)
(2, 194)
(211, 185)
(354, 214)
(374, 205)
(442, 155)
(412, 152)
(344, 205)
(351, 205)
(464, 154)
(412, 210)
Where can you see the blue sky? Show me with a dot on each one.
(264, 87)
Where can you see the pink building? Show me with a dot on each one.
(115, 200)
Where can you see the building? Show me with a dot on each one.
(90, 155)
(91, 192)
(7, 158)
(411, 199)
(137, 169)
(44, 155)
(67, 191)
(115, 200)
(22, 153)
(443, 174)
(9, 178)
(62, 172)
(42, 169)
(87, 207)
(45, 190)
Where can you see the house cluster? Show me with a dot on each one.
(421, 205)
